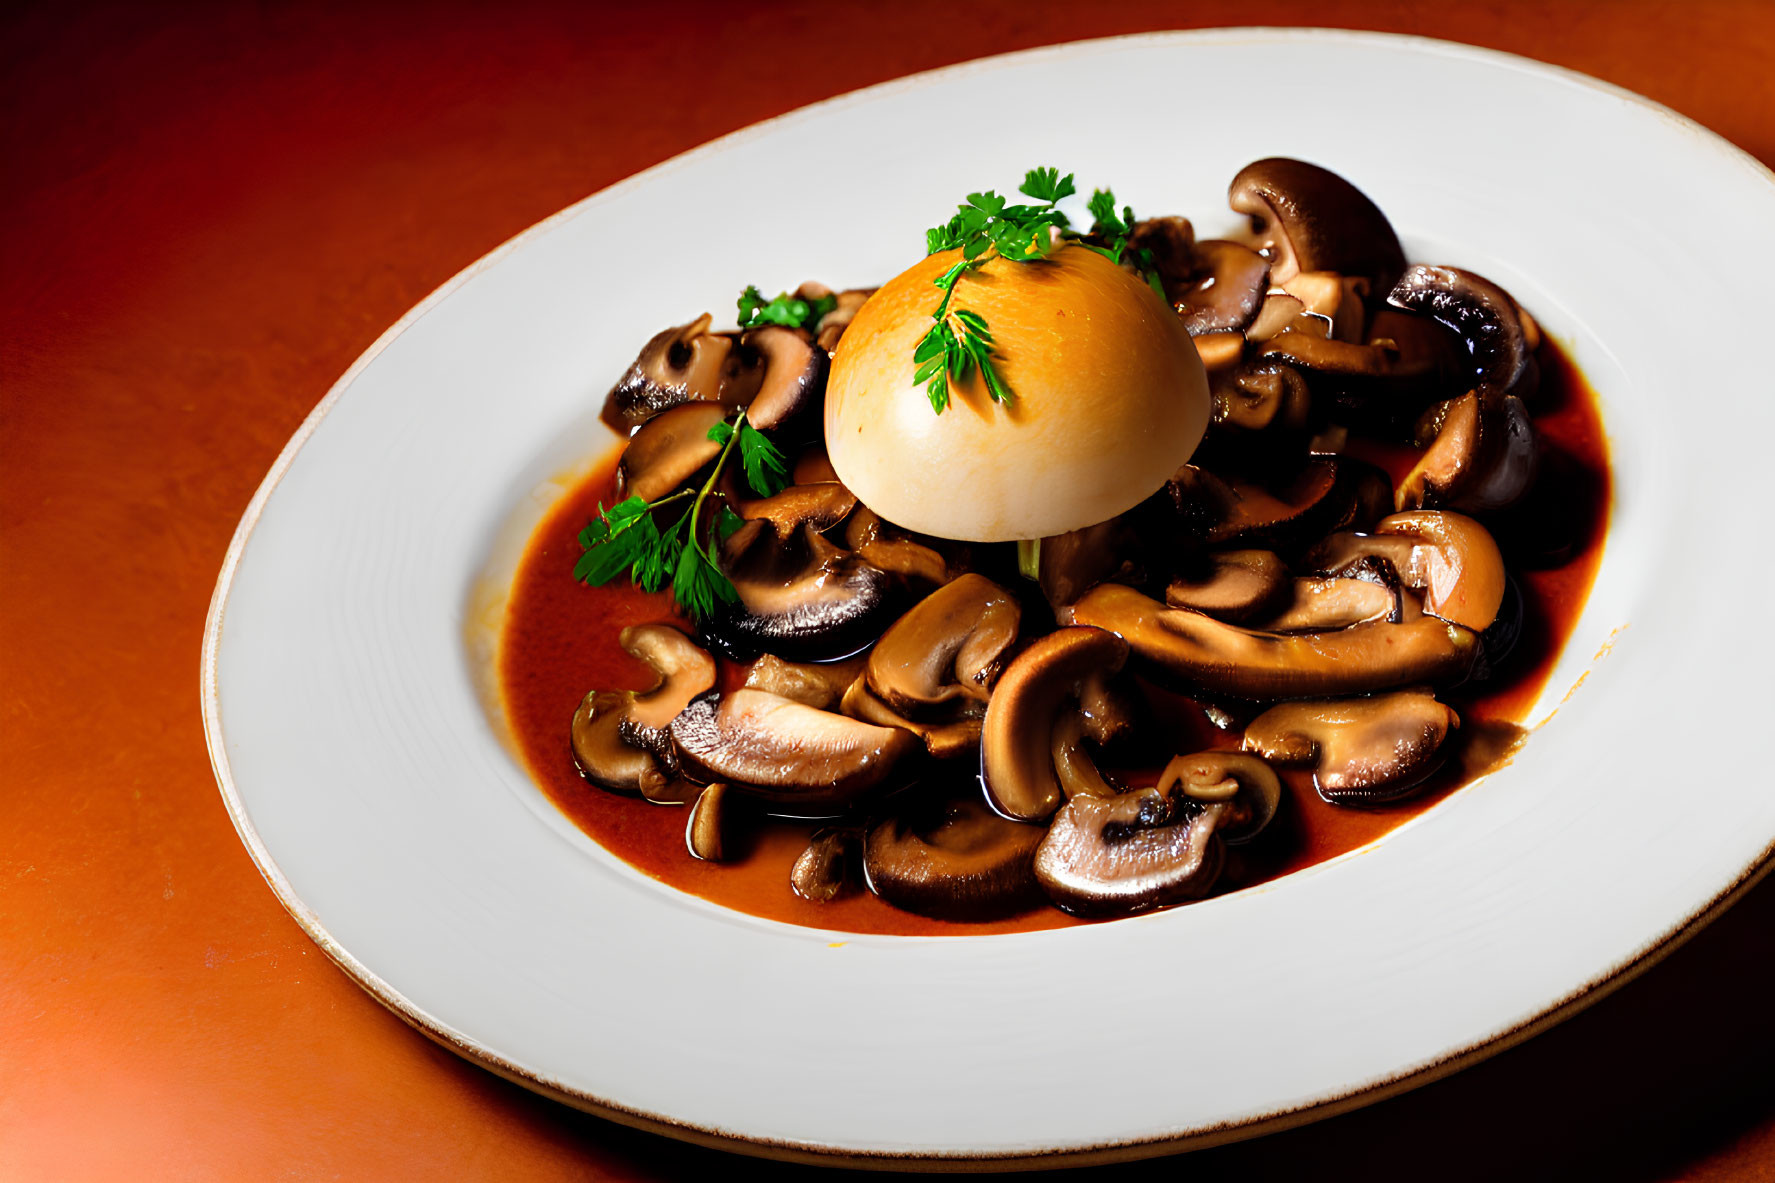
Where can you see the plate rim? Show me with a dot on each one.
(1332, 1104)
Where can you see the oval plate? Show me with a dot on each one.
(346, 642)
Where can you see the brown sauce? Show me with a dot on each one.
(560, 641)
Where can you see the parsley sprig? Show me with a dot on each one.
(626, 538)
(988, 227)
(785, 310)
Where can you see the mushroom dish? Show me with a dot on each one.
(1069, 575)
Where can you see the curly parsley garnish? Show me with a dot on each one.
(986, 227)
(785, 310)
(626, 538)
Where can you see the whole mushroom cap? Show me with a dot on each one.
(1110, 399)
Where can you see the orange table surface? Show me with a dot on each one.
(209, 211)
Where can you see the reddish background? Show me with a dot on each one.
(208, 212)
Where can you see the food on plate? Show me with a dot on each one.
(1092, 566)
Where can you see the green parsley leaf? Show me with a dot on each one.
(785, 310)
(1046, 184)
(766, 470)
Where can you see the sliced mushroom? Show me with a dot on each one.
(1170, 241)
(822, 872)
(1323, 493)
(944, 740)
(1448, 557)
(887, 548)
(1238, 585)
(1310, 219)
(1071, 564)
(1220, 352)
(1225, 660)
(831, 326)
(1131, 853)
(1228, 284)
(1339, 300)
(819, 506)
(793, 381)
(620, 739)
(1074, 768)
(798, 760)
(1249, 789)
(952, 643)
(801, 598)
(952, 858)
(705, 831)
(1484, 454)
(1327, 603)
(1280, 311)
(683, 364)
(1261, 396)
(1016, 745)
(667, 451)
(814, 467)
(1362, 750)
(815, 684)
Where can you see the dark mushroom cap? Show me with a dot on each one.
(1260, 396)
(1311, 219)
(1131, 853)
(798, 760)
(1236, 585)
(1248, 788)
(1228, 285)
(793, 378)
(1016, 745)
(950, 644)
(800, 597)
(951, 858)
(668, 450)
(682, 364)
(1285, 511)
(1484, 456)
(1171, 243)
(1478, 311)
(1227, 661)
(1362, 750)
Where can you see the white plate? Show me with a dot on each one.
(363, 773)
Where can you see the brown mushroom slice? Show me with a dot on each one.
(798, 760)
(1109, 708)
(668, 450)
(1261, 396)
(831, 326)
(1131, 853)
(883, 546)
(817, 684)
(1076, 771)
(1279, 311)
(1362, 750)
(1326, 603)
(705, 830)
(1220, 352)
(814, 467)
(1448, 557)
(800, 597)
(1323, 354)
(1068, 565)
(953, 859)
(1321, 494)
(687, 363)
(1485, 455)
(944, 740)
(1016, 742)
(1239, 585)
(1248, 788)
(793, 381)
(1339, 300)
(1310, 219)
(619, 737)
(822, 872)
(1170, 241)
(820, 506)
(684, 671)
(1228, 284)
(1225, 660)
(950, 644)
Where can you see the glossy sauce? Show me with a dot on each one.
(560, 641)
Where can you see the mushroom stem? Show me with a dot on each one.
(1029, 557)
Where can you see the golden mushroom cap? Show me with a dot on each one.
(1109, 400)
